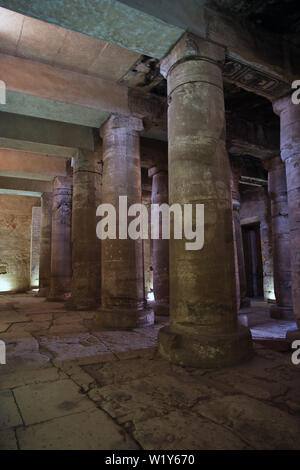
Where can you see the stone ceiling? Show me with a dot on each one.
(33, 39)
(274, 16)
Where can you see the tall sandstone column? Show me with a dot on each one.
(61, 248)
(45, 248)
(290, 153)
(123, 295)
(204, 331)
(86, 246)
(243, 300)
(160, 247)
(280, 238)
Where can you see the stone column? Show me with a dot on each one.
(160, 247)
(123, 294)
(45, 247)
(61, 248)
(148, 251)
(35, 247)
(86, 246)
(280, 238)
(290, 153)
(204, 330)
(243, 300)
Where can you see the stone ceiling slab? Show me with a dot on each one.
(108, 20)
(43, 136)
(37, 40)
(28, 165)
(16, 192)
(29, 105)
(18, 184)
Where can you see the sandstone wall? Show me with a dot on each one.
(15, 240)
(255, 207)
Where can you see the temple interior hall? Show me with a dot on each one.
(110, 341)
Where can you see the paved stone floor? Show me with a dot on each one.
(67, 387)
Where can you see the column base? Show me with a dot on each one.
(123, 318)
(245, 302)
(292, 335)
(58, 296)
(205, 351)
(81, 304)
(43, 292)
(281, 313)
(161, 309)
(60, 290)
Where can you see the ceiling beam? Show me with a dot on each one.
(108, 20)
(43, 136)
(20, 186)
(29, 165)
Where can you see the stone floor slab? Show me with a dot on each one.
(9, 413)
(8, 440)
(46, 401)
(92, 430)
(184, 431)
(263, 426)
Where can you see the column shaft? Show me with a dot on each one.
(86, 247)
(290, 154)
(61, 249)
(281, 239)
(160, 247)
(45, 248)
(204, 331)
(123, 294)
(243, 300)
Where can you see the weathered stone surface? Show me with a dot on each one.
(290, 154)
(281, 240)
(61, 256)
(45, 248)
(8, 440)
(160, 247)
(91, 430)
(123, 296)
(11, 380)
(263, 426)
(240, 272)
(44, 401)
(183, 430)
(203, 310)
(9, 413)
(86, 247)
(122, 341)
(255, 208)
(15, 234)
(73, 346)
(112, 390)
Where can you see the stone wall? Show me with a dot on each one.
(255, 208)
(15, 240)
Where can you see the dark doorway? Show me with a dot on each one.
(253, 260)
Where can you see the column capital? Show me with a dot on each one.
(62, 182)
(289, 127)
(281, 104)
(272, 163)
(160, 168)
(46, 194)
(88, 161)
(191, 47)
(120, 121)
